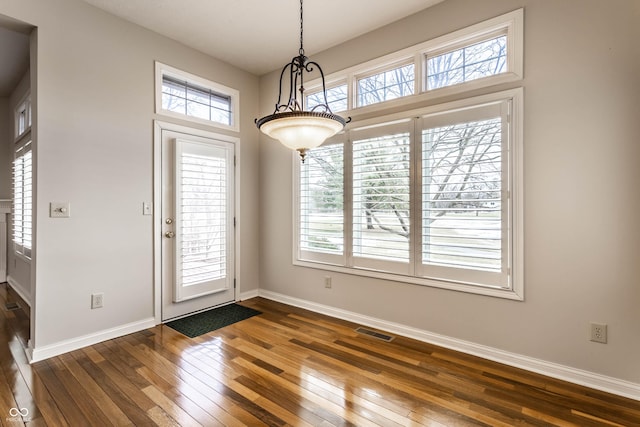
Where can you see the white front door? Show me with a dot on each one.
(197, 223)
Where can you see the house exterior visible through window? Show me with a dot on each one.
(189, 97)
(432, 195)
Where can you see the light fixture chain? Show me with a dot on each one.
(301, 30)
(290, 123)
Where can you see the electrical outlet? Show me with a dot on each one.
(599, 332)
(327, 282)
(97, 300)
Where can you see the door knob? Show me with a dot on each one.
(169, 234)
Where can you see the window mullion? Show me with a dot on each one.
(507, 200)
(415, 183)
(419, 76)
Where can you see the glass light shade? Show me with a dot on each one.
(301, 130)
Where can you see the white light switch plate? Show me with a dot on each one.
(59, 209)
(146, 208)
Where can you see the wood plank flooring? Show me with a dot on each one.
(285, 367)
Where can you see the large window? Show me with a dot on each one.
(22, 198)
(189, 97)
(431, 195)
(431, 198)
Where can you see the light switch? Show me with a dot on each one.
(146, 208)
(59, 209)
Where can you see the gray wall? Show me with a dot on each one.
(94, 148)
(582, 234)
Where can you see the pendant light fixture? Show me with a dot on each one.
(294, 127)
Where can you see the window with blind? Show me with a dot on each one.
(22, 199)
(203, 211)
(432, 198)
(321, 204)
(203, 217)
(184, 95)
(381, 198)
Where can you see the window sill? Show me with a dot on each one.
(512, 294)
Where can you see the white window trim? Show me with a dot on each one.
(511, 24)
(516, 205)
(163, 69)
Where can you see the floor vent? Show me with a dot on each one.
(374, 334)
(11, 306)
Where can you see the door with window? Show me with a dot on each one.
(197, 223)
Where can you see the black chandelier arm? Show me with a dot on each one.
(309, 67)
(291, 100)
(279, 102)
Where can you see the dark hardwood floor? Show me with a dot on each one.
(287, 366)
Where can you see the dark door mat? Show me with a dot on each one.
(210, 320)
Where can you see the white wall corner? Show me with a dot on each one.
(65, 346)
(249, 294)
(554, 370)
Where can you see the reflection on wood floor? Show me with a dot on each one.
(287, 366)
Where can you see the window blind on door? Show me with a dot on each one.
(202, 207)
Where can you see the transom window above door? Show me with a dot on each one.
(186, 96)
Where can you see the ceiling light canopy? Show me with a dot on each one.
(294, 127)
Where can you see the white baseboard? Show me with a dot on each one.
(19, 290)
(554, 370)
(51, 350)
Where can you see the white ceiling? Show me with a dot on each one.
(261, 35)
